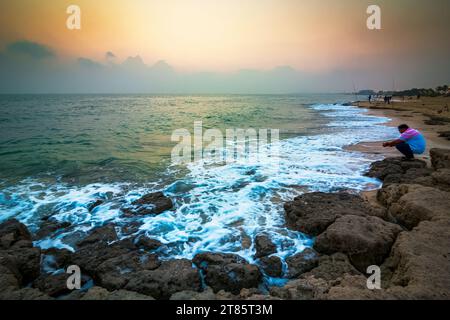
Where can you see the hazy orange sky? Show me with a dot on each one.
(315, 37)
(232, 34)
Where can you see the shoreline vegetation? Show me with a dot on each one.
(404, 228)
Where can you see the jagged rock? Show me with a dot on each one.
(114, 273)
(23, 263)
(152, 203)
(366, 240)
(48, 227)
(411, 204)
(331, 268)
(227, 272)
(441, 179)
(89, 257)
(394, 170)
(264, 246)
(419, 263)
(272, 266)
(147, 243)
(302, 262)
(440, 158)
(98, 293)
(171, 277)
(105, 233)
(52, 285)
(301, 289)
(312, 213)
(12, 231)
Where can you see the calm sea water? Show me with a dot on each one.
(60, 153)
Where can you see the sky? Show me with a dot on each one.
(232, 46)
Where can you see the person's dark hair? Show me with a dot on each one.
(403, 127)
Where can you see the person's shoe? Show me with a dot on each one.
(408, 159)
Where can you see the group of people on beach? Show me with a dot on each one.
(387, 99)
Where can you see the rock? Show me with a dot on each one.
(98, 293)
(393, 169)
(312, 213)
(23, 263)
(114, 273)
(419, 263)
(302, 262)
(411, 204)
(146, 243)
(105, 233)
(24, 294)
(264, 246)
(54, 259)
(12, 231)
(48, 227)
(171, 277)
(89, 257)
(207, 294)
(441, 179)
(227, 272)
(366, 240)
(272, 266)
(152, 203)
(301, 289)
(53, 285)
(331, 268)
(440, 158)
(8, 280)
(95, 204)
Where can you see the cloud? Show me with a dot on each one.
(110, 55)
(88, 63)
(29, 49)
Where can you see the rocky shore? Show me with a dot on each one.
(406, 232)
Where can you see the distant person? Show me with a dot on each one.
(385, 99)
(411, 142)
(370, 98)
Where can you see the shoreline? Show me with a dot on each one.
(409, 213)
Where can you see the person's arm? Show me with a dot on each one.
(393, 143)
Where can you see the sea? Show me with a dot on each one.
(59, 154)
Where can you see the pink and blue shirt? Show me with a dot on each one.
(415, 140)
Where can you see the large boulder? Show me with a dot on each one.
(312, 213)
(302, 262)
(227, 272)
(152, 203)
(49, 227)
(330, 268)
(440, 158)
(12, 231)
(393, 168)
(411, 204)
(171, 277)
(105, 233)
(272, 266)
(114, 274)
(419, 265)
(366, 240)
(264, 246)
(24, 263)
